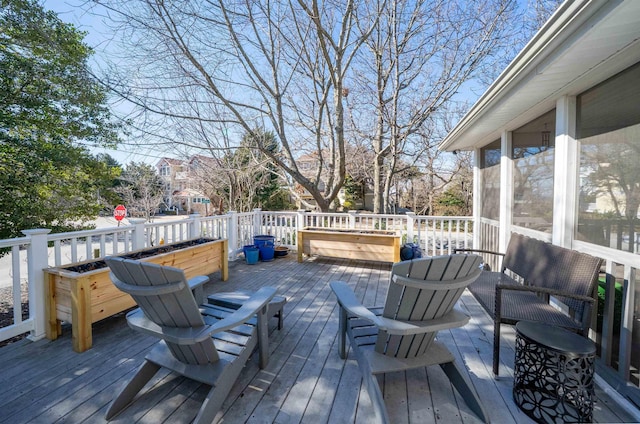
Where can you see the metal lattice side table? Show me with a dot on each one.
(553, 374)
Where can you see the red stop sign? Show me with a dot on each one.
(119, 212)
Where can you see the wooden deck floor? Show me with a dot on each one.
(306, 381)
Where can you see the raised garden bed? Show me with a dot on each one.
(369, 245)
(82, 293)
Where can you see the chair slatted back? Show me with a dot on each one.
(163, 294)
(436, 285)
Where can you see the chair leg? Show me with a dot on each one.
(496, 346)
(280, 318)
(342, 332)
(211, 405)
(219, 392)
(497, 319)
(263, 337)
(377, 399)
(464, 388)
(146, 371)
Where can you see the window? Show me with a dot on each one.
(490, 177)
(533, 155)
(608, 128)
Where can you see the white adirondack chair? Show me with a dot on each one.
(206, 343)
(400, 336)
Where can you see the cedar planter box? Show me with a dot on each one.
(369, 245)
(82, 293)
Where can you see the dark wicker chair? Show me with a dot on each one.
(533, 272)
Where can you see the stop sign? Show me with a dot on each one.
(119, 212)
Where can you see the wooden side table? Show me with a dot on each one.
(553, 374)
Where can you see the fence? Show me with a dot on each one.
(39, 249)
(616, 328)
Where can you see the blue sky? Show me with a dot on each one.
(69, 11)
(98, 36)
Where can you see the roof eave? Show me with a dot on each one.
(553, 33)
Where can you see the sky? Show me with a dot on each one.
(69, 11)
(97, 37)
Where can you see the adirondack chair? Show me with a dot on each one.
(420, 302)
(206, 343)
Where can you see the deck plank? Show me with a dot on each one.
(305, 381)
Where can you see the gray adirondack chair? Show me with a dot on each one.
(420, 302)
(206, 343)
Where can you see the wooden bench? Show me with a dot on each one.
(533, 272)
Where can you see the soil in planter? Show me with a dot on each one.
(90, 266)
(353, 231)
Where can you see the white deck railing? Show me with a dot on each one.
(23, 269)
(25, 257)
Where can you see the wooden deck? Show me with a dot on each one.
(306, 381)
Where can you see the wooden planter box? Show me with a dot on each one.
(369, 245)
(82, 298)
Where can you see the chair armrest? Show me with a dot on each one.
(197, 281)
(478, 251)
(542, 290)
(196, 286)
(182, 336)
(348, 301)
(248, 310)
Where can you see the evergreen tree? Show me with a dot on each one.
(49, 105)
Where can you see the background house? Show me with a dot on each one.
(557, 157)
(180, 179)
(308, 165)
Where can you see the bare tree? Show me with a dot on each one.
(193, 67)
(200, 74)
(418, 57)
(141, 190)
(243, 179)
(523, 24)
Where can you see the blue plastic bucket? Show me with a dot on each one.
(251, 254)
(266, 244)
(267, 251)
(259, 240)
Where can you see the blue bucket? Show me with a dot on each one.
(259, 240)
(251, 254)
(267, 251)
(266, 244)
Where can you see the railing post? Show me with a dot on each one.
(300, 219)
(257, 221)
(352, 219)
(37, 260)
(411, 216)
(232, 234)
(300, 224)
(138, 241)
(194, 225)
